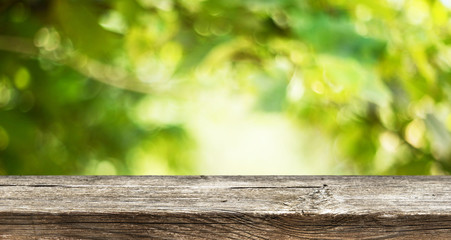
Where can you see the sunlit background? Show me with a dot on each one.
(225, 87)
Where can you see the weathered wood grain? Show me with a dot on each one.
(225, 207)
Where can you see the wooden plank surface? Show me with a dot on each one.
(225, 207)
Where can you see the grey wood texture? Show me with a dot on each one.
(225, 207)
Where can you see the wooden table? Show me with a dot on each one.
(225, 207)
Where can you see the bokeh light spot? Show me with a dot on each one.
(22, 78)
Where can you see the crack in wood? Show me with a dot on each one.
(274, 187)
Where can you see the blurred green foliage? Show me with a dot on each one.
(107, 87)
